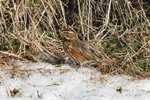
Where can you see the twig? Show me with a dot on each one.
(81, 20)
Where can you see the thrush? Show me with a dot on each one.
(80, 51)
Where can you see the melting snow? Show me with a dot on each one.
(43, 81)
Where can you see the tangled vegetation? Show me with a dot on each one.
(119, 28)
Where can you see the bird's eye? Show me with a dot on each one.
(66, 33)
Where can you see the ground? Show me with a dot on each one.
(43, 81)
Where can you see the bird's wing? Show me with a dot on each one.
(87, 51)
(91, 53)
(100, 55)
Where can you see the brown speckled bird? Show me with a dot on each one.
(81, 52)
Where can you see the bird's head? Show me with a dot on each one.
(68, 34)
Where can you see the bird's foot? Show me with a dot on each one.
(77, 68)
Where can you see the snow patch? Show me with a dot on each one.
(43, 81)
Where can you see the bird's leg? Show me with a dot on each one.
(78, 66)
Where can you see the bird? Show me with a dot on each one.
(80, 51)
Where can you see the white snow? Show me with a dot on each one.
(43, 81)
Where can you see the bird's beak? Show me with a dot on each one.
(62, 32)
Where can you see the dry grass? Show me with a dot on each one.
(119, 28)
